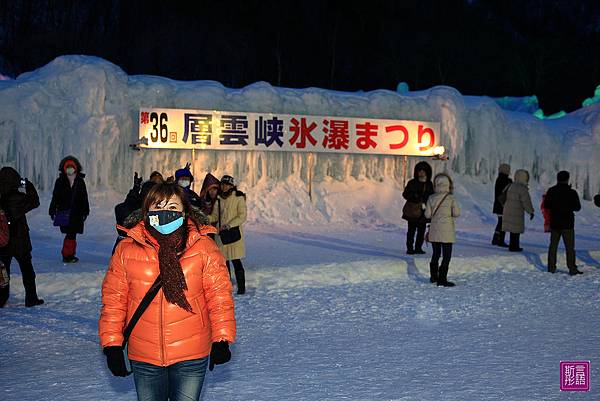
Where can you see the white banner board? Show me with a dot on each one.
(229, 130)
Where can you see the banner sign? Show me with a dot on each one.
(228, 130)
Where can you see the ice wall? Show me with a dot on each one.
(88, 107)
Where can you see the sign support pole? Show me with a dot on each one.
(404, 170)
(193, 161)
(310, 174)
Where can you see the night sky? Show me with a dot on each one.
(496, 48)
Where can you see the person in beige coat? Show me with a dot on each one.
(230, 212)
(442, 208)
(518, 202)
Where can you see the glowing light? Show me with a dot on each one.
(439, 150)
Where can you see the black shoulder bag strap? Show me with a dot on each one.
(141, 308)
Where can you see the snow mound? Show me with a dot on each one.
(88, 107)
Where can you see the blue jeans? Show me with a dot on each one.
(181, 381)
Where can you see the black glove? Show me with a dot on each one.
(219, 354)
(137, 181)
(116, 361)
(531, 216)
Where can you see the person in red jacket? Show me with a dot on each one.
(190, 322)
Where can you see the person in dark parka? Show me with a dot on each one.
(502, 182)
(417, 191)
(70, 193)
(133, 201)
(597, 200)
(561, 200)
(16, 205)
(184, 179)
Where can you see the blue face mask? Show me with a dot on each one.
(165, 221)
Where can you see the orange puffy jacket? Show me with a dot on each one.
(167, 334)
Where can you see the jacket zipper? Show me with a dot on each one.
(160, 330)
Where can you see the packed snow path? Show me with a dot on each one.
(332, 314)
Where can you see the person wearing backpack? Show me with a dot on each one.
(442, 208)
(18, 197)
(502, 182)
(69, 207)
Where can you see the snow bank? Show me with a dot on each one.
(88, 107)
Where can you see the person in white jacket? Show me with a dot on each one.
(442, 208)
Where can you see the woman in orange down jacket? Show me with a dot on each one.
(190, 322)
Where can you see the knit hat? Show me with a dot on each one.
(227, 179)
(504, 169)
(184, 172)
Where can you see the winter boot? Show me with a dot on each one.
(514, 243)
(574, 272)
(501, 241)
(419, 246)
(433, 272)
(443, 277)
(68, 251)
(240, 278)
(31, 297)
(33, 302)
(498, 239)
(495, 238)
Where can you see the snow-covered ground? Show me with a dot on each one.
(334, 312)
(335, 309)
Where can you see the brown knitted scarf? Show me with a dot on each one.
(173, 280)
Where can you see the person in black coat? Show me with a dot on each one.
(184, 178)
(416, 193)
(70, 194)
(561, 200)
(133, 201)
(597, 200)
(16, 204)
(502, 182)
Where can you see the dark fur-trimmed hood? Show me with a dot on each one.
(195, 214)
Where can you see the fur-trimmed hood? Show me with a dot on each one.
(10, 180)
(522, 177)
(443, 183)
(423, 166)
(210, 181)
(61, 166)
